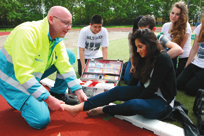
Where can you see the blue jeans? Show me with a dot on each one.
(127, 75)
(153, 108)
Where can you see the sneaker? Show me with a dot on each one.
(65, 98)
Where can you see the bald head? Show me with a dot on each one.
(60, 20)
(58, 11)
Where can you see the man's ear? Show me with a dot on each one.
(154, 29)
(50, 19)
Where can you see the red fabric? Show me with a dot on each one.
(13, 124)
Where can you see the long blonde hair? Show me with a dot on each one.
(179, 27)
(201, 34)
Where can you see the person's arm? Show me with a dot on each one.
(105, 52)
(82, 58)
(132, 69)
(185, 38)
(105, 43)
(67, 72)
(193, 51)
(81, 95)
(81, 44)
(175, 49)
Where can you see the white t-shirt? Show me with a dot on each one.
(199, 60)
(92, 42)
(187, 46)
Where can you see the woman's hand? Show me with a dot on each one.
(132, 69)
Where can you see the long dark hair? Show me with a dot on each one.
(145, 65)
(135, 25)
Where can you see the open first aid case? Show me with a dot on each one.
(100, 75)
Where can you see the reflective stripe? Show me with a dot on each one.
(8, 57)
(73, 83)
(38, 92)
(69, 74)
(13, 82)
(59, 76)
(37, 74)
(30, 83)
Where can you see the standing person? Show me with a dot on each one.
(91, 38)
(179, 31)
(31, 52)
(192, 77)
(174, 49)
(155, 97)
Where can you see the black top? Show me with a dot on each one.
(163, 77)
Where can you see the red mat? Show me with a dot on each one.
(4, 33)
(62, 124)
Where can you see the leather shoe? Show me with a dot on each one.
(65, 98)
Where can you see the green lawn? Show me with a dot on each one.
(74, 27)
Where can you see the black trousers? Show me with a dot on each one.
(191, 79)
(181, 66)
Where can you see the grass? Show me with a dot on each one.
(6, 29)
(78, 27)
(73, 27)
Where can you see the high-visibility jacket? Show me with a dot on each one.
(25, 56)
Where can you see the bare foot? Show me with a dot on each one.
(72, 110)
(95, 112)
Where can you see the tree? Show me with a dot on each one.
(114, 12)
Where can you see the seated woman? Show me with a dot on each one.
(155, 97)
(178, 30)
(192, 77)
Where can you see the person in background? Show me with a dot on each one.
(153, 99)
(192, 77)
(179, 31)
(172, 48)
(128, 71)
(32, 51)
(90, 39)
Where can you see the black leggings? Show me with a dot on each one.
(191, 79)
